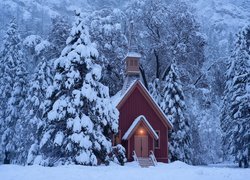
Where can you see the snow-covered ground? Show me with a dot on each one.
(131, 171)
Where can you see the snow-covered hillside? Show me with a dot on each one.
(222, 12)
(131, 171)
(35, 15)
(223, 17)
(220, 20)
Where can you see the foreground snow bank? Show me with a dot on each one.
(131, 171)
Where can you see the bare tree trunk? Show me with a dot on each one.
(157, 64)
(144, 77)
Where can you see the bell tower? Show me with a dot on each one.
(132, 61)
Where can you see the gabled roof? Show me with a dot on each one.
(119, 99)
(119, 96)
(135, 124)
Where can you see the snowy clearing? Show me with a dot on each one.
(131, 171)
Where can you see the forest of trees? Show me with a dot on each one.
(55, 87)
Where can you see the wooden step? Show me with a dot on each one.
(145, 162)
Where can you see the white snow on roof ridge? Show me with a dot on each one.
(119, 96)
(117, 100)
(157, 105)
(134, 124)
(133, 54)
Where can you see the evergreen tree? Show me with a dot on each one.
(107, 31)
(36, 49)
(58, 36)
(13, 84)
(155, 90)
(235, 119)
(174, 107)
(80, 116)
(35, 107)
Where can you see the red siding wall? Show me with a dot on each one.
(136, 105)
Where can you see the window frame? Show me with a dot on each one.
(159, 142)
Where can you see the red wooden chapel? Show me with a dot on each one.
(143, 127)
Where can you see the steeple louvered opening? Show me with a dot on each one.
(132, 65)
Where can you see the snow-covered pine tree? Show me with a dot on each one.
(155, 90)
(36, 48)
(58, 36)
(224, 114)
(108, 32)
(13, 85)
(35, 106)
(235, 119)
(174, 107)
(80, 117)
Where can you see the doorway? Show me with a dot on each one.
(141, 145)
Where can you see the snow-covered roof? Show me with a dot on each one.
(133, 54)
(135, 123)
(119, 95)
(157, 105)
(117, 98)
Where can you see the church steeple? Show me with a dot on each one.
(132, 39)
(132, 64)
(132, 61)
(133, 57)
